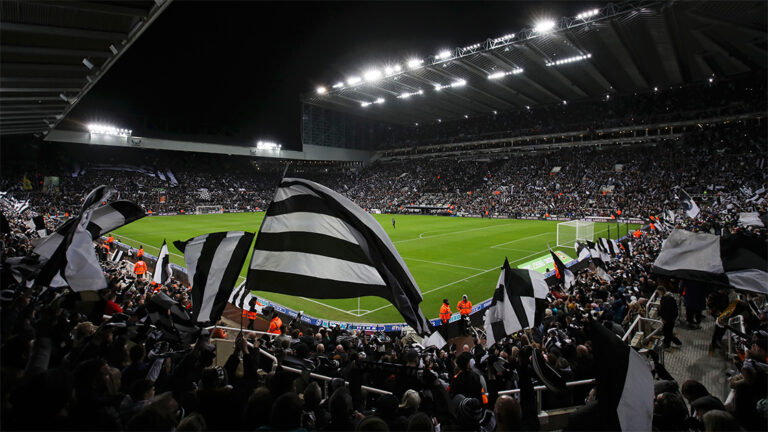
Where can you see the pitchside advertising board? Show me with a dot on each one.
(544, 263)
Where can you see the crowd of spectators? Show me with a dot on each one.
(67, 366)
(709, 99)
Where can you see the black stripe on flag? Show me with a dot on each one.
(312, 243)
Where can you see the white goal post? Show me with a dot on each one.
(570, 232)
(209, 209)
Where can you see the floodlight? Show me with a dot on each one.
(103, 129)
(544, 26)
(466, 116)
(372, 75)
(379, 101)
(389, 70)
(397, 68)
(414, 63)
(495, 112)
(459, 83)
(267, 145)
(439, 120)
(565, 102)
(711, 79)
(497, 75)
(353, 80)
(443, 55)
(338, 85)
(588, 14)
(365, 104)
(404, 96)
(88, 63)
(569, 60)
(438, 87)
(528, 107)
(655, 89)
(416, 124)
(321, 90)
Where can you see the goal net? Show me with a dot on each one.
(209, 209)
(569, 232)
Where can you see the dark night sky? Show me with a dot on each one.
(243, 66)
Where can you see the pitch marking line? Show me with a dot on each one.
(451, 233)
(460, 280)
(444, 264)
(150, 246)
(520, 239)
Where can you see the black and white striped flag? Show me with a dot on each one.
(601, 268)
(316, 243)
(582, 251)
(242, 298)
(162, 272)
(67, 256)
(562, 273)
(737, 260)
(514, 304)
(624, 382)
(213, 265)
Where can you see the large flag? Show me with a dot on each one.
(68, 257)
(562, 273)
(162, 271)
(737, 260)
(514, 304)
(213, 265)
(316, 243)
(624, 382)
(582, 250)
(689, 205)
(601, 268)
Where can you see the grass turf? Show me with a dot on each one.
(447, 256)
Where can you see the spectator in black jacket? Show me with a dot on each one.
(668, 313)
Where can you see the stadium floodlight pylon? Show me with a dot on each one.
(209, 209)
(570, 232)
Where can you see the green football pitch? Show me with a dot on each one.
(447, 256)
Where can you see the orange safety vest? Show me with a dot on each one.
(250, 315)
(445, 313)
(465, 307)
(140, 253)
(110, 239)
(140, 267)
(274, 325)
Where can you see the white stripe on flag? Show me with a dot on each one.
(107, 218)
(309, 222)
(284, 193)
(192, 252)
(315, 266)
(686, 250)
(754, 280)
(83, 271)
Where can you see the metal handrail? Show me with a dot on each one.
(241, 330)
(314, 375)
(650, 302)
(540, 388)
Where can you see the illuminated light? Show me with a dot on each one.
(397, 68)
(495, 112)
(471, 47)
(528, 107)
(588, 14)
(505, 37)
(389, 70)
(421, 92)
(365, 104)
(407, 95)
(267, 145)
(655, 89)
(459, 83)
(103, 129)
(544, 26)
(466, 116)
(414, 63)
(88, 63)
(63, 97)
(438, 87)
(338, 85)
(372, 75)
(379, 101)
(565, 102)
(443, 55)
(439, 120)
(353, 80)
(569, 60)
(416, 124)
(322, 90)
(502, 74)
(711, 79)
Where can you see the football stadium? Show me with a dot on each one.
(384, 216)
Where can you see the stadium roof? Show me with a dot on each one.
(619, 48)
(54, 52)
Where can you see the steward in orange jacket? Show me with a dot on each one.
(140, 268)
(464, 306)
(275, 324)
(445, 312)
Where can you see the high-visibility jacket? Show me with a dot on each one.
(110, 240)
(140, 253)
(250, 315)
(140, 267)
(465, 307)
(274, 325)
(445, 313)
